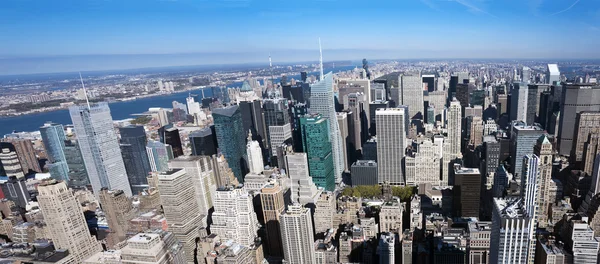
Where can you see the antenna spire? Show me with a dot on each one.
(321, 59)
(84, 92)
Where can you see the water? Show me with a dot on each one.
(119, 111)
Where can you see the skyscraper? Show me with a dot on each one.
(543, 150)
(342, 119)
(253, 120)
(170, 135)
(297, 235)
(303, 189)
(586, 123)
(118, 210)
(518, 102)
(234, 217)
(256, 164)
(454, 127)
(9, 161)
(182, 212)
(277, 121)
(65, 222)
(201, 171)
(467, 191)
(77, 173)
(100, 147)
(424, 166)
(523, 138)
(576, 98)
(133, 148)
(53, 136)
(159, 155)
(552, 74)
(411, 93)
(322, 101)
(534, 94)
(271, 200)
(315, 140)
(203, 142)
(391, 141)
(231, 138)
(26, 154)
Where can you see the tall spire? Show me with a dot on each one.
(271, 69)
(320, 59)
(84, 92)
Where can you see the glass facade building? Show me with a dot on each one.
(231, 138)
(53, 136)
(133, 148)
(317, 146)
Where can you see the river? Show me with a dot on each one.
(119, 110)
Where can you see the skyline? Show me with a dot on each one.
(104, 35)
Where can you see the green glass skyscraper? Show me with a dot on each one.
(316, 145)
(231, 138)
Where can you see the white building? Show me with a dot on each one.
(424, 167)
(303, 189)
(322, 101)
(178, 197)
(385, 250)
(99, 147)
(193, 107)
(234, 217)
(518, 100)
(552, 74)
(391, 142)
(200, 170)
(297, 235)
(145, 249)
(66, 225)
(255, 158)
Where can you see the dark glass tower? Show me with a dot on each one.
(317, 146)
(170, 135)
(133, 149)
(253, 120)
(231, 138)
(203, 142)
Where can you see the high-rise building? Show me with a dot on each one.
(65, 222)
(234, 217)
(373, 106)
(386, 249)
(586, 123)
(580, 239)
(118, 209)
(182, 212)
(9, 161)
(543, 150)
(193, 107)
(467, 191)
(552, 74)
(77, 173)
(534, 95)
(170, 135)
(491, 148)
(479, 242)
(363, 172)
(203, 142)
(145, 248)
(303, 189)
(322, 101)
(99, 147)
(391, 142)
(318, 147)
(26, 154)
(549, 252)
(273, 205)
(277, 121)
(518, 102)
(424, 165)
(411, 93)
(256, 164)
(454, 127)
(200, 169)
(133, 148)
(253, 120)
(53, 136)
(231, 138)
(297, 235)
(324, 212)
(390, 216)
(159, 155)
(576, 98)
(15, 190)
(523, 138)
(511, 227)
(342, 119)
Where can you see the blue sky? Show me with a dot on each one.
(62, 35)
